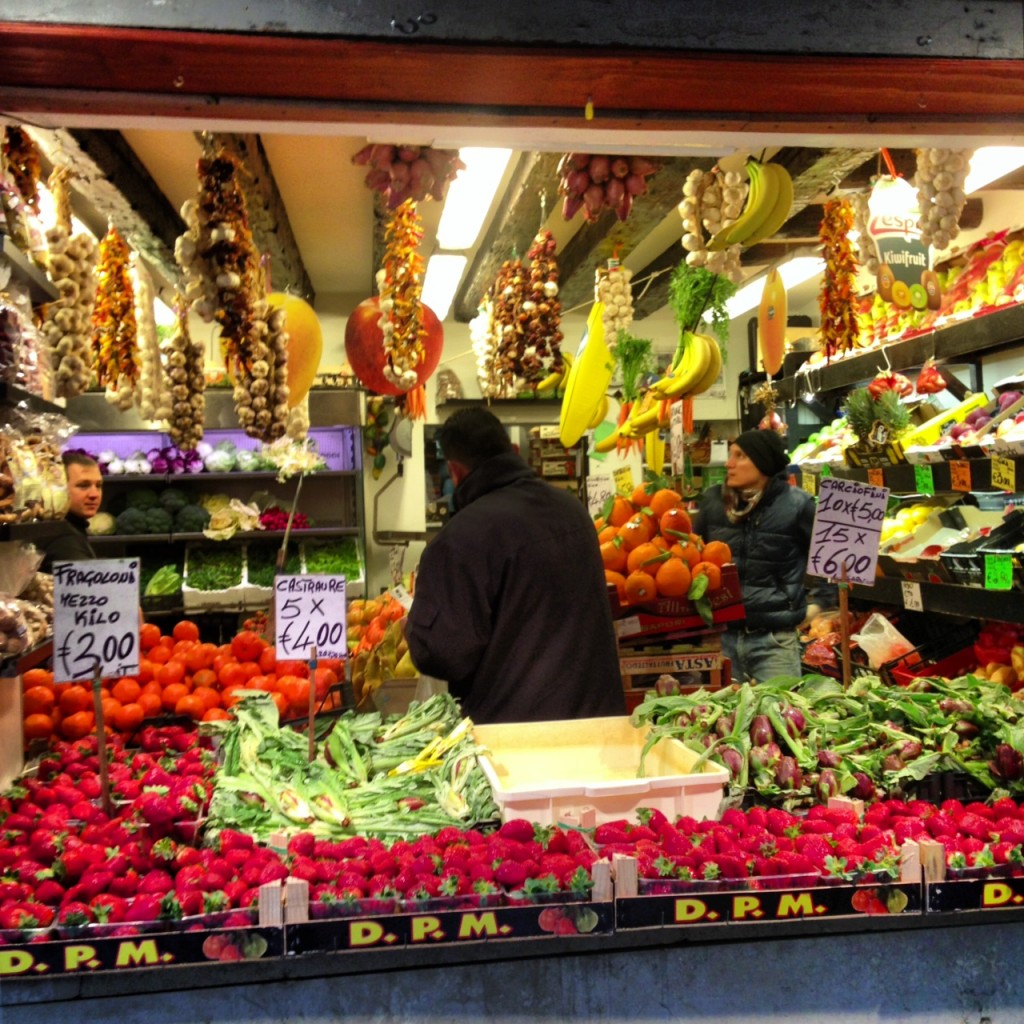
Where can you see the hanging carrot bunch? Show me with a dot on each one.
(541, 353)
(839, 328)
(507, 295)
(114, 331)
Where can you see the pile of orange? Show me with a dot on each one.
(649, 549)
(178, 675)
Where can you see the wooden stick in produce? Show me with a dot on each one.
(844, 626)
(101, 741)
(282, 555)
(312, 702)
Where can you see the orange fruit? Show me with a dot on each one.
(675, 522)
(110, 706)
(149, 636)
(637, 530)
(146, 670)
(607, 533)
(688, 552)
(150, 703)
(663, 500)
(38, 700)
(673, 578)
(644, 556)
(190, 705)
(640, 497)
(208, 695)
(599, 523)
(126, 690)
(75, 698)
(216, 715)
(185, 630)
(617, 580)
(172, 693)
(640, 587)
(36, 677)
(718, 552)
(713, 573)
(129, 718)
(622, 509)
(77, 725)
(172, 672)
(37, 726)
(160, 654)
(661, 543)
(613, 555)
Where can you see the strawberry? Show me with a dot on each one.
(612, 832)
(517, 830)
(909, 828)
(735, 819)
(155, 883)
(816, 826)
(815, 849)
(980, 809)
(302, 844)
(1005, 807)
(48, 891)
(229, 839)
(688, 825)
(23, 914)
(940, 825)
(190, 902)
(108, 909)
(779, 821)
(74, 913)
(509, 873)
(974, 825)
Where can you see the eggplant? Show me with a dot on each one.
(761, 731)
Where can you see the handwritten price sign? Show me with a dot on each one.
(310, 612)
(847, 526)
(96, 618)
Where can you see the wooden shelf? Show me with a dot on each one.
(40, 288)
(949, 599)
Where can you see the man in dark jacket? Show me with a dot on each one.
(767, 524)
(85, 492)
(510, 603)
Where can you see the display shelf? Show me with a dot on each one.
(949, 599)
(34, 656)
(984, 332)
(40, 288)
(12, 394)
(319, 532)
(183, 478)
(903, 478)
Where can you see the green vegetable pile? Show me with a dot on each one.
(795, 742)
(217, 568)
(261, 563)
(334, 558)
(392, 778)
(138, 520)
(165, 582)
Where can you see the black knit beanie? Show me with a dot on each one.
(765, 450)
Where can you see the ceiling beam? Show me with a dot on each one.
(111, 186)
(268, 217)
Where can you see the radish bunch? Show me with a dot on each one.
(408, 172)
(595, 182)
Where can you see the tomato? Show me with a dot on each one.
(200, 657)
(36, 677)
(204, 677)
(325, 679)
(216, 715)
(77, 725)
(172, 672)
(172, 693)
(126, 690)
(248, 646)
(129, 718)
(209, 696)
(75, 698)
(38, 700)
(185, 630)
(231, 674)
(190, 705)
(268, 660)
(282, 703)
(293, 668)
(37, 726)
(149, 636)
(150, 703)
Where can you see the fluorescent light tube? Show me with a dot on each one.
(470, 196)
(990, 163)
(793, 272)
(444, 272)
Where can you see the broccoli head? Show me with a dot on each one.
(173, 499)
(191, 519)
(142, 498)
(132, 520)
(158, 520)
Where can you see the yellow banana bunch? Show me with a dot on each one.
(688, 370)
(767, 207)
(654, 452)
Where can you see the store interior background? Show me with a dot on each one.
(331, 214)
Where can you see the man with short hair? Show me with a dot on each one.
(510, 604)
(85, 492)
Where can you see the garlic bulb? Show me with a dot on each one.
(940, 178)
(712, 201)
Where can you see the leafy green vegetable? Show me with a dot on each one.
(635, 357)
(191, 519)
(261, 563)
(695, 294)
(214, 568)
(164, 582)
(334, 558)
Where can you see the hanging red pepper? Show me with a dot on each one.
(930, 381)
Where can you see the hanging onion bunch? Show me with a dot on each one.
(66, 325)
(596, 182)
(409, 172)
(484, 342)
(867, 255)
(400, 284)
(712, 200)
(541, 347)
(114, 330)
(839, 327)
(153, 396)
(507, 294)
(612, 288)
(184, 359)
(940, 178)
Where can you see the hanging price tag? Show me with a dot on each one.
(623, 478)
(912, 596)
(847, 526)
(876, 476)
(310, 612)
(1004, 474)
(809, 482)
(960, 475)
(998, 572)
(924, 480)
(96, 619)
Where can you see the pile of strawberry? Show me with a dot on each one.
(829, 843)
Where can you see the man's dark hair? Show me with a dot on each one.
(472, 436)
(78, 459)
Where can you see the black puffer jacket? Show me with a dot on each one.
(511, 606)
(770, 549)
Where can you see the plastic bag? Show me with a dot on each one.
(881, 641)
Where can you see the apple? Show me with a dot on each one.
(364, 347)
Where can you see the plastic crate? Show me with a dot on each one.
(542, 770)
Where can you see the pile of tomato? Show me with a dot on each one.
(180, 675)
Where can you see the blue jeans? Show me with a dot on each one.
(762, 654)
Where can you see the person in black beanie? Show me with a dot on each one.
(767, 524)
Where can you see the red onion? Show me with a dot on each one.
(636, 185)
(577, 182)
(599, 168)
(593, 199)
(619, 167)
(614, 193)
(571, 205)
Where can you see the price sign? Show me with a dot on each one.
(998, 572)
(600, 488)
(809, 482)
(310, 612)
(95, 618)
(912, 596)
(876, 476)
(847, 526)
(623, 478)
(677, 438)
(960, 475)
(924, 480)
(1004, 474)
